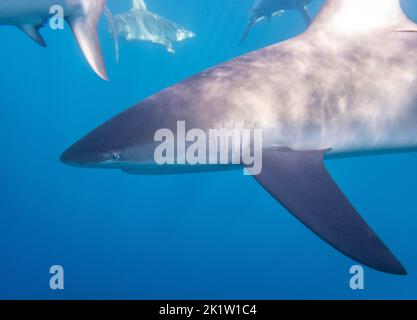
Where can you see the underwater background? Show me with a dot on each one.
(200, 236)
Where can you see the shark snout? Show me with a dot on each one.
(79, 155)
(70, 159)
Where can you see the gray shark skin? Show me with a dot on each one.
(81, 15)
(262, 9)
(347, 86)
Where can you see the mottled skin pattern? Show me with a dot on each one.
(353, 92)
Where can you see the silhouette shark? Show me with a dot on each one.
(262, 9)
(344, 87)
(81, 15)
(139, 24)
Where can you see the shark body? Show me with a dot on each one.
(347, 86)
(266, 9)
(139, 24)
(81, 15)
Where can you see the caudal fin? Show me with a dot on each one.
(84, 27)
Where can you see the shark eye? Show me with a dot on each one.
(114, 156)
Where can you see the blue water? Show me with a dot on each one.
(202, 236)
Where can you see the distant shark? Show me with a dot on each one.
(346, 86)
(81, 15)
(262, 9)
(139, 24)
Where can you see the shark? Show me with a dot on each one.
(139, 24)
(82, 16)
(266, 9)
(345, 87)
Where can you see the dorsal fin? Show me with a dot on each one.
(139, 5)
(362, 16)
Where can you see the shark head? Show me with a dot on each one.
(93, 151)
(123, 142)
(87, 152)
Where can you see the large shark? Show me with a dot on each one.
(346, 86)
(139, 24)
(81, 15)
(266, 9)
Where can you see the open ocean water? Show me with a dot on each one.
(200, 236)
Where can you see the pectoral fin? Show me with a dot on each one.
(304, 12)
(300, 182)
(33, 32)
(248, 30)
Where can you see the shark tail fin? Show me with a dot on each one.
(84, 27)
(33, 32)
